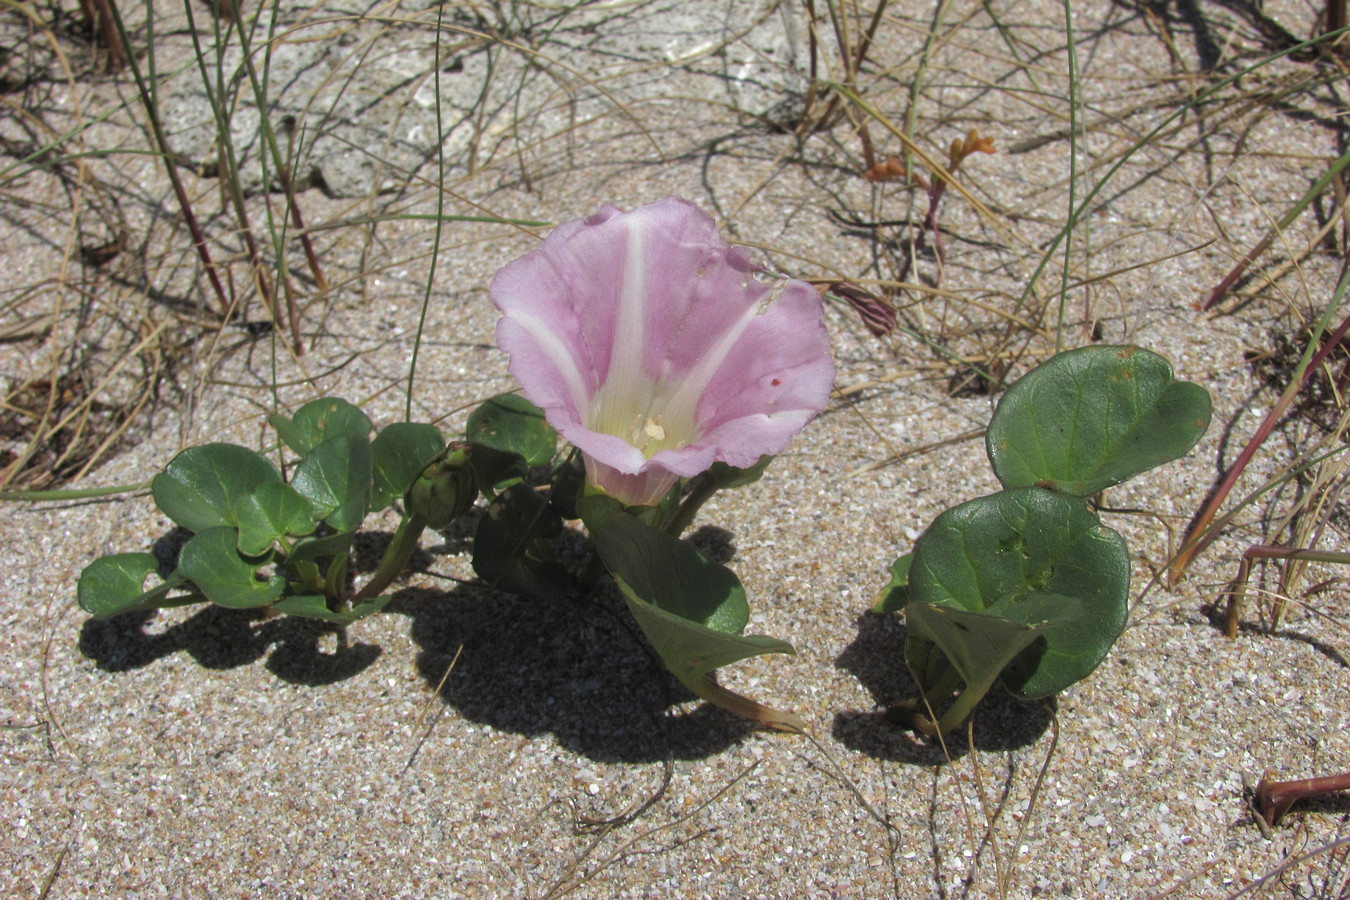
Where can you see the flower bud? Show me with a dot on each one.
(445, 489)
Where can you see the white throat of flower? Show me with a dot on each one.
(641, 411)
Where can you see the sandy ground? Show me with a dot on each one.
(201, 752)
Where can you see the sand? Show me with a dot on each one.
(203, 752)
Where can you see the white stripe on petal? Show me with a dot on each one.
(559, 354)
(688, 390)
(630, 328)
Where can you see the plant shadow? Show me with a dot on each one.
(577, 668)
(219, 638)
(877, 659)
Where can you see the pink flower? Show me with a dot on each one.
(656, 349)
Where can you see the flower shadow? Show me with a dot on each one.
(877, 659)
(579, 669)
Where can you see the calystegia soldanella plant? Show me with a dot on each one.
(670, 363)
(1027, 586)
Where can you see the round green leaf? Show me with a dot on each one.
(115, 584)
(670, 574)
(319, 421)
(211, 560)
(399, 453)
(1025, 555)
(510, 423)
(1093, 417)
(336, 478)
(200, 487)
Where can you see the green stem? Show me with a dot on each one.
(957, 713)
(743, 706)
(944, 687)
(73, 493)
(395, 558)
(700, 492)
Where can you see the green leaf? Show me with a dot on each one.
(1093, 417)
(513, 547)
(691, 608)
(399, 453)
(115, 584)
(211, 560)
(510, 423)
(311, 549)
(319, 421)
(315, 606)
(496, 470)
(336, 478)
(669, 573)
(200, 487)
(269, 514)
(980, 645)
(895, 595)
(1017, 555)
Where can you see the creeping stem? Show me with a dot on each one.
(701, 489)
(395, 558)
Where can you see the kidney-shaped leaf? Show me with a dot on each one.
(691, 609)
(115, 584)
(211, 560)
(335, 477)
(399, 453)
(510, 423)
(318, 421)
(1093, 417)
(1018, 555)
(200, 487)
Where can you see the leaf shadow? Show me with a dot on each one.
(579, 669)
(876, 657)
(219, 638)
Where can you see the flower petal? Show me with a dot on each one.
(656, 349)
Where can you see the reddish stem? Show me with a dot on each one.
(100, 15)
(1238, 593)
(284, 179)
(1273, 798)
(1196, 538)
(1335, 15)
